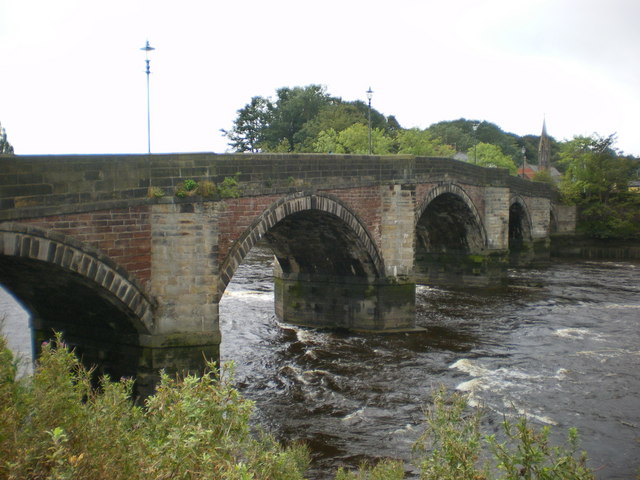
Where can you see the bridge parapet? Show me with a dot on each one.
(46, 185)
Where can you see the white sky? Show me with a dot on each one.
(72, 74)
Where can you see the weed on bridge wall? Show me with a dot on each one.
(228, 188)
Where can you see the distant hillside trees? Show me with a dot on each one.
(489, 155)
(310, 119)
(306, 119)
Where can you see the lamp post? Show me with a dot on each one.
(369, 97)
(475, 142)
(524, 161)
(148, 48)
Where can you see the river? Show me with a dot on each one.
(560, 343)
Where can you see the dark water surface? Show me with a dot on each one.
(561, 344)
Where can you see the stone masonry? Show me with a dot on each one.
(343, 229)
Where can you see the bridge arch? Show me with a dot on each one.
(340, 242)
(73, 288)
(519, 220)
(520, 237)
(448, 210)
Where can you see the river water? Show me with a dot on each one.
(561, 344)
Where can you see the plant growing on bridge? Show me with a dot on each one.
(229, 187)
(186, 188)
(207, 189)
(155, 192)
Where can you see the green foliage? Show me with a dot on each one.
(335, 116)
(353, 140)
(461, 135)
(596, 178)
(155, 192)
(618, 220)
(56, 426)
(292, 110)
(384, 470)
(295, 121)
(451, 445)
(229, 187)
(543, 176)
(527, 454)
(207, 189)
(488, 155)
(190, 185)
(422, 142)
(453, 448)
(247, 134)
(594, 169)
(187, 188)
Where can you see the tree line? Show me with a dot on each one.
(595, 175)
(309, 119)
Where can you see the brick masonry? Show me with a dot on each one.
(124, 235)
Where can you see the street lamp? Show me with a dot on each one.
(369, 96)
(475, 141)
(524, 161)
(148, 48)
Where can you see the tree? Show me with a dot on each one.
(456, 133)
(336, 116)
(488, 155)
(593, 168)
(294, 121)
(421, 142)
(5, 146)
(247, 133)
(293, 109)
(353, 140)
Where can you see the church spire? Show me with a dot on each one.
(544, 148)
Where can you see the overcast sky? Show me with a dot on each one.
(72, 74)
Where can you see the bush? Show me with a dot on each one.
(56, 426)
(452, 448)
(619, 220)
(229, 187)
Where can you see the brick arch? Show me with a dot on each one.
(454, 189)
(62, 251)
(290, 205)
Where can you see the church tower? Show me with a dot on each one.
(544, 149)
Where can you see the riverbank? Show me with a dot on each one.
(576, 246)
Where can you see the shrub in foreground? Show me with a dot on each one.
(54, 425)
(453, 448)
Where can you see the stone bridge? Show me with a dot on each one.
(129, 255)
